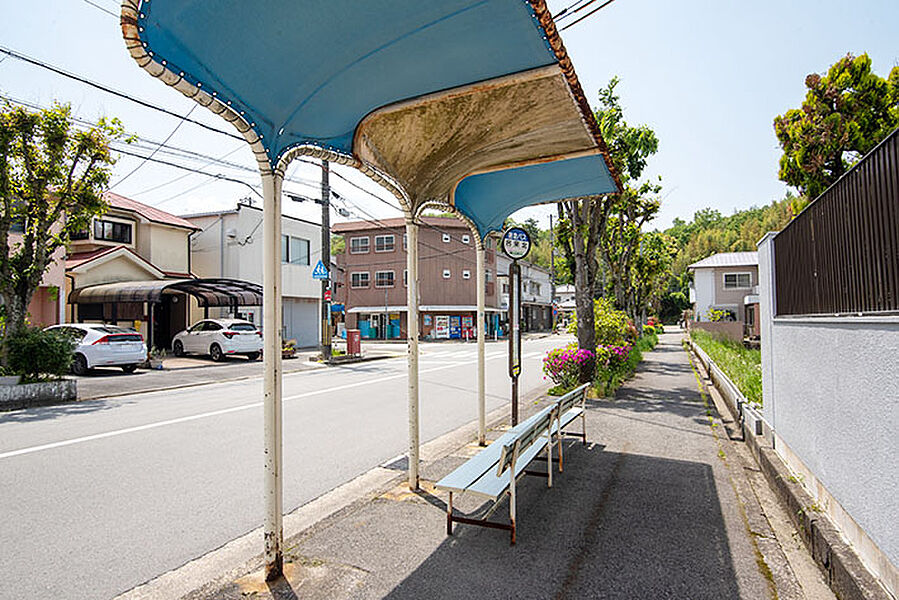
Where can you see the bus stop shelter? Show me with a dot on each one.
(471, 104)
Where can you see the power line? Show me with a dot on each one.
(597, 9)
(109, 90)
(177, 166)
(104, 9)
(564, 13)
(152, 154)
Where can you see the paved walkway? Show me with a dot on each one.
(648, 509)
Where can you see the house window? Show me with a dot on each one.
(405, 241)
(405, 277)
(112, 231)
(505, 288)
(359, 280)
(490, 243)
(466, 274)
(750, 315)
(488, 275)
(466, 239)
(736, 281)
(446, 274)
(294, 250)
(385, 243)
(446, 238)
(359, 245)
(384, 279)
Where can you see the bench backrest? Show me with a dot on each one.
(525, 438)
(569, 400)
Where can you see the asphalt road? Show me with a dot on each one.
(100, 496)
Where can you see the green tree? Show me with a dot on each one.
(846, 112)
(51, 180)
(651, 270)
(582, 222)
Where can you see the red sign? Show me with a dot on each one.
(327, 295)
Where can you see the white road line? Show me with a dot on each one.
(224, 411)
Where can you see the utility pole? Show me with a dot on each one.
(552, 274)
(326, 259)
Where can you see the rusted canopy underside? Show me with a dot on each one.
(430, 144)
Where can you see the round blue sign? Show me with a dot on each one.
(516, 243)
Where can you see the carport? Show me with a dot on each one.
(160, 295)
(473, 105)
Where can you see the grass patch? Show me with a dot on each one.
(742, 365)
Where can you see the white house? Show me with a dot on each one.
(229, 245)
(722, 282)
(536, 293)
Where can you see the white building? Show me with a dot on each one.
(722, 282)
(536, 293)
(229, 245)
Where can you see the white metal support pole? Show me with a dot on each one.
(412, 330)
(481, 290)
(271, 320)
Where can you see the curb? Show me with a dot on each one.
(843, 570)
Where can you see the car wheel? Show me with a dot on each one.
(178, 348)
(215, 353)
(129, 368)
(79, 365)
(252, 356)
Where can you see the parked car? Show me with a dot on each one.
(219, 338)
(102, 345)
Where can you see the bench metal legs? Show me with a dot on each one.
(449, 515)
(451, 518)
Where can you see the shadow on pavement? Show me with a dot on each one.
(613, 526)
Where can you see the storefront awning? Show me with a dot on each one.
(209, 292)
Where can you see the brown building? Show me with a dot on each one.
(375, 279)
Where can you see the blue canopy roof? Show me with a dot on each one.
(308, 72)
(489, 198)
(430, 94)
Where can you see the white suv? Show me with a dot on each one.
(104, 346)
(218, 338)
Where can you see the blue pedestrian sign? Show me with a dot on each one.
(320, 272)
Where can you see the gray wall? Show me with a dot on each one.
(831, 396)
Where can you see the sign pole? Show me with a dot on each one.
(514, 333)
(516, 244)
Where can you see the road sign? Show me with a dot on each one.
(327, 295)
(320, 272)
(516, 243)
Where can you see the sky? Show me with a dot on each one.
(708, 76)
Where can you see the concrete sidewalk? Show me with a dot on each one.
(649, 508)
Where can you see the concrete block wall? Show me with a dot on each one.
(831, 400)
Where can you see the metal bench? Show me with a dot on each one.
(493, 472)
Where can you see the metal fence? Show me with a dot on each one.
(841, 254)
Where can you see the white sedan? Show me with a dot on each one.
(219, 338)
(104, 346)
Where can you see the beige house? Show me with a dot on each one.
(132, 243)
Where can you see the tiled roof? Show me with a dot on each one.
(728, 259)
(148, 212)
(79, 258)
